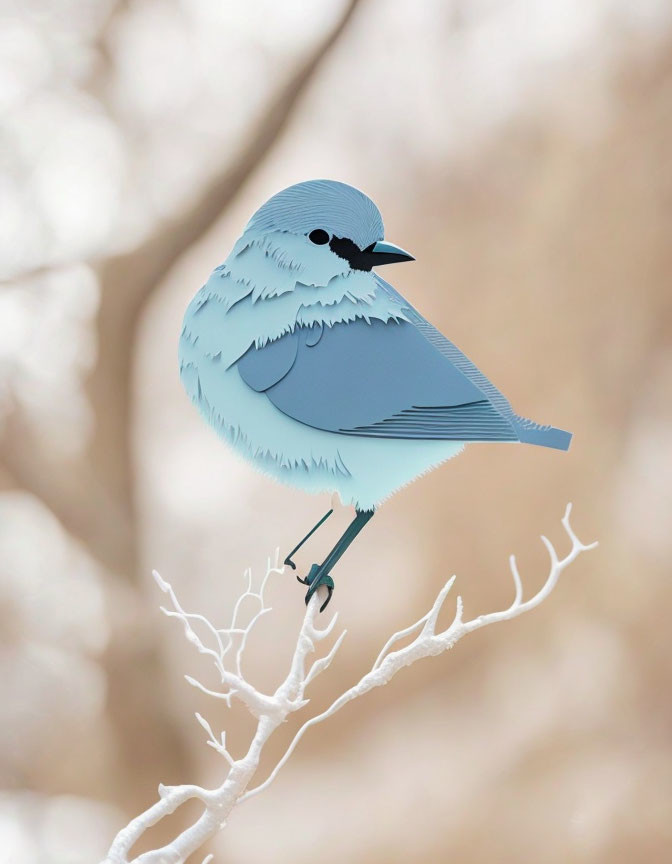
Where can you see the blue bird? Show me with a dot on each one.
(318, 372)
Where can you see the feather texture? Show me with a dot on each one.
(324, 376)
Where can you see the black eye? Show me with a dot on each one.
(319, 237)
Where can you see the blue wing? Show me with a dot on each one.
(386, 380)
(261, 368)
(528, 432)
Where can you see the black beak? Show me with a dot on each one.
(373, 256)
(386, 253)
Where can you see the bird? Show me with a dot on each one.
(322, 375)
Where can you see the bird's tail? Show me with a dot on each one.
(530, 432)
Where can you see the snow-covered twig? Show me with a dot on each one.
(272, 710)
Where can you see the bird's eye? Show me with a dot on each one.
(319, 237)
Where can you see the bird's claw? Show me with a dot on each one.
(316, 579)
(308, 580)
(328, 583)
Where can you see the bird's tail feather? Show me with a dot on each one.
(530, 432)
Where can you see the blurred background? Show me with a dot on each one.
(522, 150)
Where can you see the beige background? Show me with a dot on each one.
(521, 150)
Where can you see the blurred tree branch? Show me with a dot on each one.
(94, 496)
(103, 48)
(128, 280)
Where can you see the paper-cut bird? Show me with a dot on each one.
(321, 374)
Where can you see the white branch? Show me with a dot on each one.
(218, 745)
(257, 703)
(272, 711)
(428, 643)
(324, 662)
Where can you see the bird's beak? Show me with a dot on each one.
(386, 253)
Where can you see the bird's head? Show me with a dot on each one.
(308, 235)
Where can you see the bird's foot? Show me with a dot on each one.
(315, 579)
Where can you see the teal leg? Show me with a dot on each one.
(319, 573)
(288, 559)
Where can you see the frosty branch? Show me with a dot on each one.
(226, 647)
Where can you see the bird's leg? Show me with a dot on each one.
(288, 559)
(319, 573)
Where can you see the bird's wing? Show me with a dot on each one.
(527, 431)
(262, 368)
(395, 379)
(373, 379)
(449, 350)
